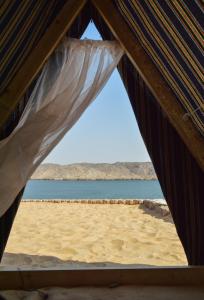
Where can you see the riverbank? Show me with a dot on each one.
(49, 234)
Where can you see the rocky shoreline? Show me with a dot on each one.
(159, 206)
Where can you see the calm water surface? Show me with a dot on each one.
(93, 189)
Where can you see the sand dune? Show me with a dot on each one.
(51, 234)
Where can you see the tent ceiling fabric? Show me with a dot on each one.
(171, 33)
(26, 73)
(18, 37)
(164, 95)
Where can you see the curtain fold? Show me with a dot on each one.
(6, 221)
(180, 177)
(68, 83)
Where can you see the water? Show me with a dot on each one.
(93, 189)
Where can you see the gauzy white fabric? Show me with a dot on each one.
(69, 82)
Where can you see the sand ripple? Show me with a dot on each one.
(49, 234)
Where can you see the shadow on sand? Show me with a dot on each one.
(43, 261)
(157, 212)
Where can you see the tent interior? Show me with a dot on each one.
(162, 73)
(94, 242)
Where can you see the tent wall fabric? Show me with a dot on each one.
(171, 32)
(68, 83)
(180, 177)
(6, 221)
(75, 31)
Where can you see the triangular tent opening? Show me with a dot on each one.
(141, 250)
(173, 142)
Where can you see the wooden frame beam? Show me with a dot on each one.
(35, 61)
(164, 276)
(154, 80)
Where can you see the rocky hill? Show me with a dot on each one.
(99, 171)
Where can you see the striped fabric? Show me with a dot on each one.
(22, 25)
(171, 32)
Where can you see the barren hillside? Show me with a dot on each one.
(101, 171)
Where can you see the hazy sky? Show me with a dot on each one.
(107, 131)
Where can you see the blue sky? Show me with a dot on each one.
(107, 131)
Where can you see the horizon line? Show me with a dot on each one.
(86, 162)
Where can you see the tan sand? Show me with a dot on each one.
(51, 234)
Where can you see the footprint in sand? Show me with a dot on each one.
(69, 251)
(135, 240)
(118, 244)
(122, 219)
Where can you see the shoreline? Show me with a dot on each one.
(157, 205)
(95, 179)
(127, 201)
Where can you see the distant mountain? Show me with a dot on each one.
(99, 171)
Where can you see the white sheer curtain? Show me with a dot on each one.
(69, 82)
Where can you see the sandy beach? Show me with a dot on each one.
(48, 234)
